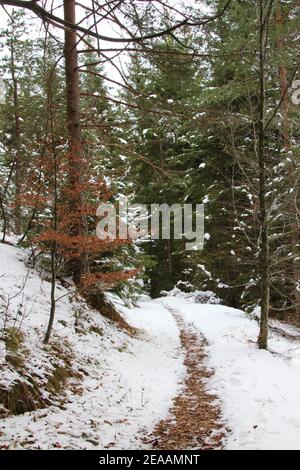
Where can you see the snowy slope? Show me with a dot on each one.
(122, 391)
(127, 383)
(259, 391)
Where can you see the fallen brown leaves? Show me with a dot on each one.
(194, 419)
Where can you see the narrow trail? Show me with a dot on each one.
(194, 421)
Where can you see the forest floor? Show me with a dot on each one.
(192, 377)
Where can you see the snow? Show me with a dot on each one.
(259, 391)
(128, 382)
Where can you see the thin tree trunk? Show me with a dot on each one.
(286, 138)
(2, 201)
(52, 295)
(55, 224)
(264, 244)
(4, 228)
(17, 131)
(283, 81)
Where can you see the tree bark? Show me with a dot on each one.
(264, 242)
(17, 132)
(286, 140)
(52, 295)
(75, 154)
(283, 81)
(53, 254)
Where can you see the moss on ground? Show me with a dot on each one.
(29, 392)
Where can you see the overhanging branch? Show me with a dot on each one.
(55, 20)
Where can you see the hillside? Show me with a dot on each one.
(97, 387)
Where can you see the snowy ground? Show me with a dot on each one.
(129, 383)
(259, 391)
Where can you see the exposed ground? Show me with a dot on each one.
(194, 421)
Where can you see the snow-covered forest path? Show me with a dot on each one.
(258, 391)
(194, 420)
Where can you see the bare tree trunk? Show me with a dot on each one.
(286, 138)
(17, 129)
(53, 254)
(52, 295)
(283, 81)
(4, 228)
(76, 156)
(264, 243)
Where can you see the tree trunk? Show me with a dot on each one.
(286, 139)
(17, 132)
(264, 243)
(55, 224)
(283, 82)
(52, 295)
(75, 154)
